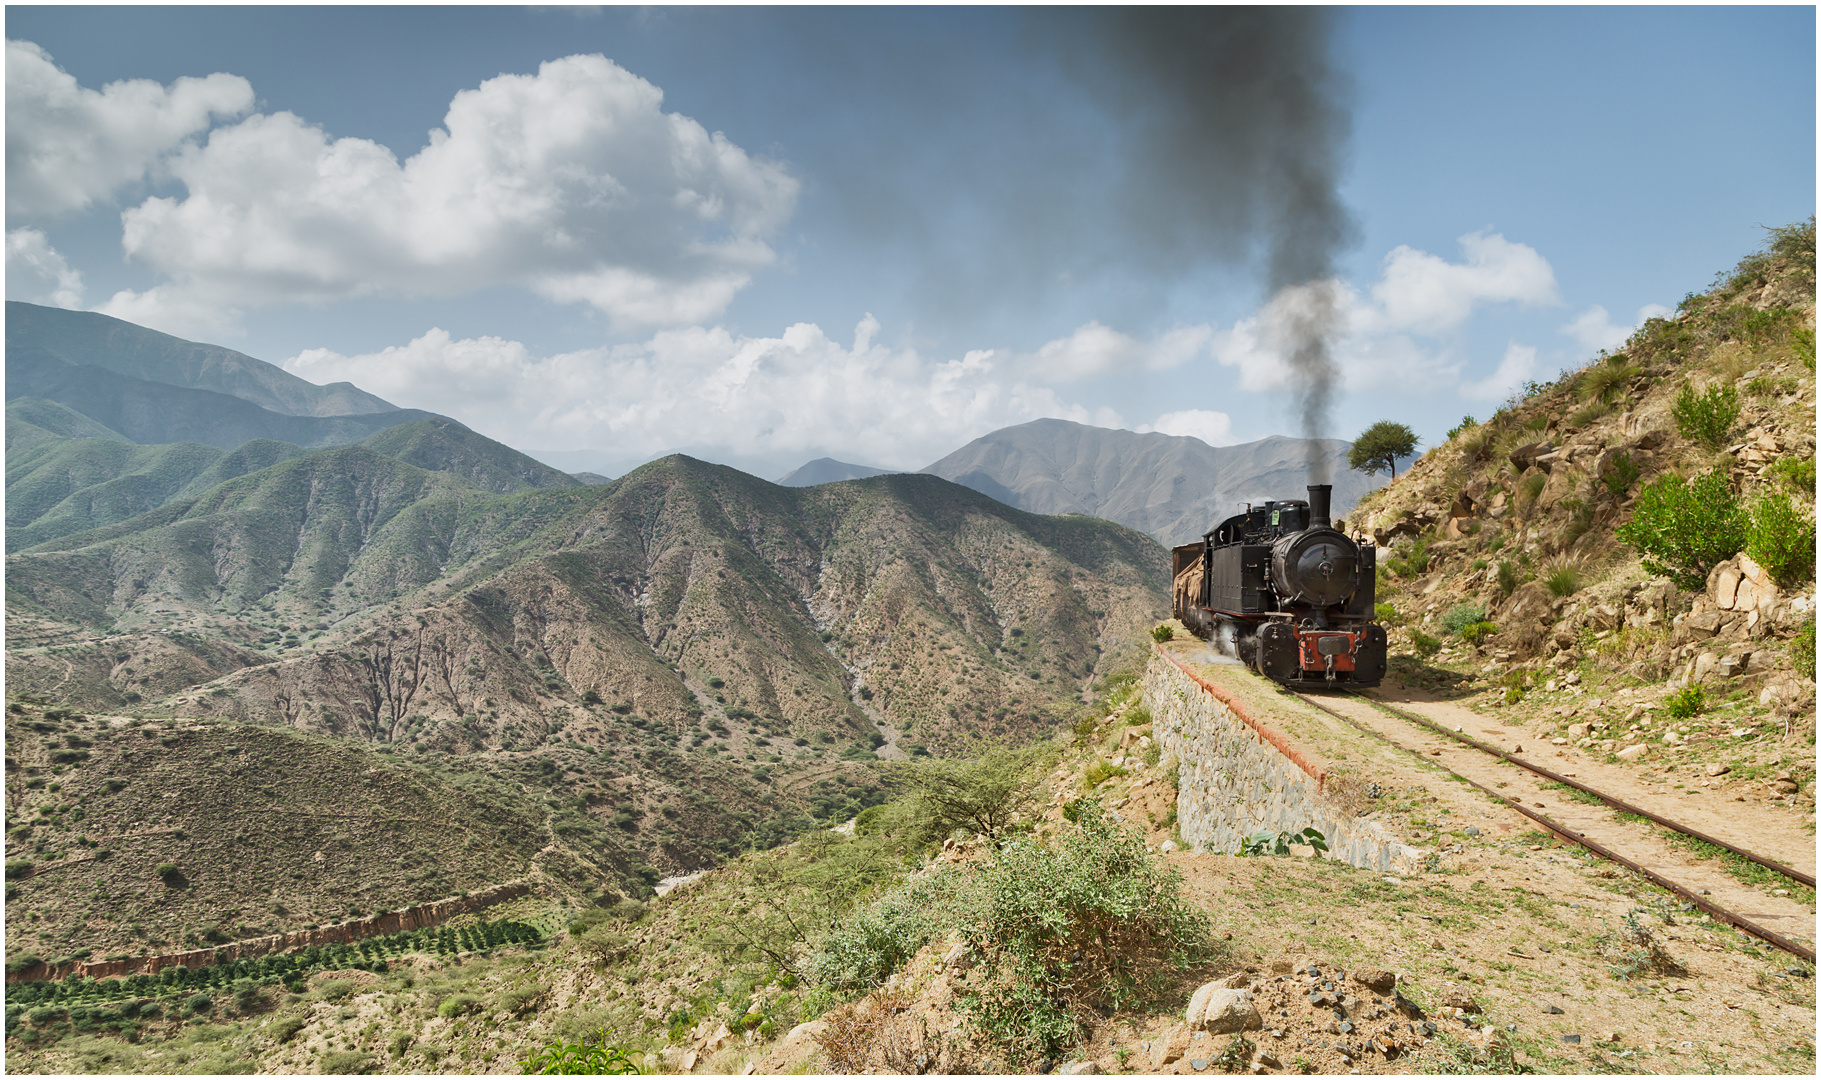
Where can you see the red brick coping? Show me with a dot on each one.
(1264, 731)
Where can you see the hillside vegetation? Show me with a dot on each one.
(1625, 556)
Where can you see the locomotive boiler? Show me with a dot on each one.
(1283, 590)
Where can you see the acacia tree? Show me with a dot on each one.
(1379, 447)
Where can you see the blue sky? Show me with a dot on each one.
(764, 235)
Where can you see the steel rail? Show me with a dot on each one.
(1794, 948)
(1610, 800)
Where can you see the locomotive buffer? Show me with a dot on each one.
(1283, 590)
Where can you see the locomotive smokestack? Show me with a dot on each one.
(1320, 496)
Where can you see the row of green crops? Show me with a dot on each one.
(369, 955)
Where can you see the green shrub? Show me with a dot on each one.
(596, 1057)
(18, 868)
(1802, 342)
(1508, 578)
(167, 871)
(1622, 475)
(1426, 645)
(1137, 716)
(1460, 616)
(1781, 539)
(1706, 418)
(1683, 529)
(1563, 579)
(604, 946)
(520, 998)
(1474, 633)
(347, 1063)
(1071, 934)
(1588, 413)
(200, 1003)
(1802, 649)
(1532, 486)
(1798, 474)
(1162, 632)
(1386, 614)
(871, 943)
(458, 1005)
(983, 794)
(1413, 561)
(1467, 424)
(335, 989)
(1602, 382)
(286, 1028)
(1099, 771)
(23, 962)
(1687, 702)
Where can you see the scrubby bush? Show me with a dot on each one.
(1706, 418)
(200, 1003)
(1426, 645)
(1467, 424)
(1802, 649)
(1072, 933)
(1563, 579)
(166, 871)
(1687, 703)
(1413, 561)
(347, 1063)
(335, 989)
(1622, 475)
(457, 1005)
(873, 942)
(983, 794)
(1602, 382)
(1683, 529)
(1386, 614)
(1508, 578)
(1461, 616)
(1162, 632)
(1474, 633)
(589, 1057)
(1781, 539)
(1797, 474)
(286, 1028)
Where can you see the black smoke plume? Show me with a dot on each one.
(1241, 131)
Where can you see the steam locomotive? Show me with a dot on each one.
(1283, 590)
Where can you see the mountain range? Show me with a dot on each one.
(1173, 487)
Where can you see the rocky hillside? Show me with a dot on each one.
(1173, 487)
(1597, 533)
(706, 660)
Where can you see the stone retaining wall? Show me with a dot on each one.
(412, 918)
(1239, 776)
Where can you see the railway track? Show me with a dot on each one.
(1731, 918)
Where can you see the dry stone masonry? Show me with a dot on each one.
(1238, 777)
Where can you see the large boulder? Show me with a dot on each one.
(1221, 1010)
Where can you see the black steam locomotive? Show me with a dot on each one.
(1283, 590)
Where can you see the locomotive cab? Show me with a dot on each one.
(1282, 589)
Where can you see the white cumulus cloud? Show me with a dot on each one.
(800, 392)
(1425, 294)
(573, 182)
(1517, 365)
(1095, 349)
(1402, 331)
(68, 146)
(37, 273)
(1594, 327)
(1211, 427)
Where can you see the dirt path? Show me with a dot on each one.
(1743, 813)
(1640, 842)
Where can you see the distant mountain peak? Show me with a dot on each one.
(1174, 487)
(828, 471)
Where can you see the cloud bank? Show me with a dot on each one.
(798, 393)
(1403, 331)
(573, 183)
(68, 147)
